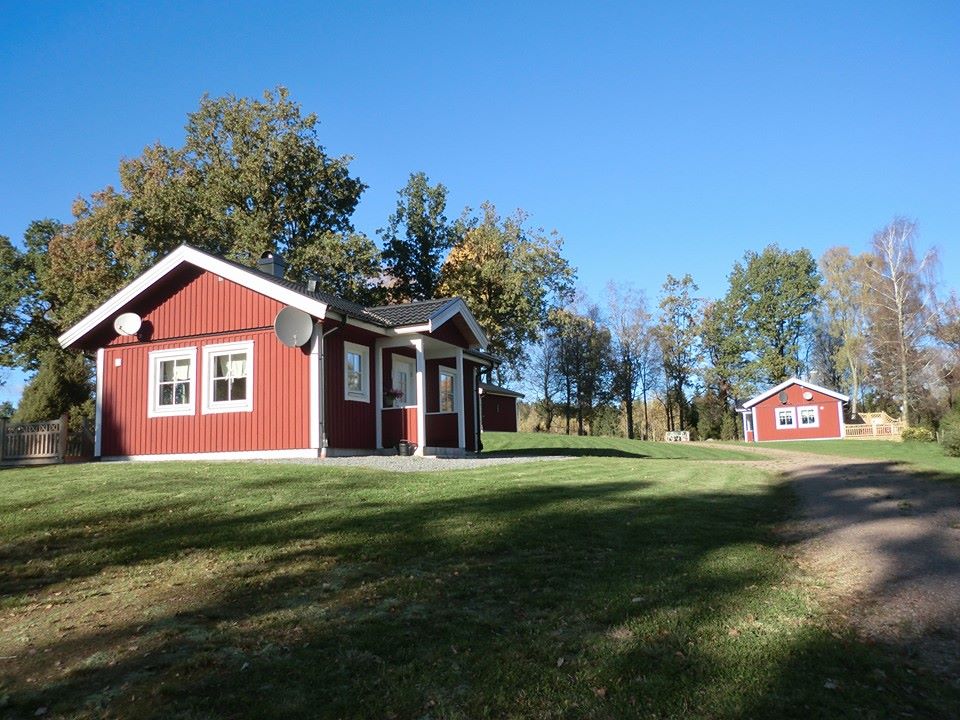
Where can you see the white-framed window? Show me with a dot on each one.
(786, 418)
(809, 416)
(448, 397)
(403, 377)
(228, 377)
(171, 377)
(356, 372)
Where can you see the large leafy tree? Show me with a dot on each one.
(724, 343)
(775, 292)
(250, 176)
(416, 239)
(678, 334)
(510, 276)
(844, 321)
(634, 350)
(901, 313)
(585, 363)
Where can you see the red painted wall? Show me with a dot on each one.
(350, 424)
(399, 424)
(193, 309)
(829, 409)
(280, 418)
(470, 404)
(499, 413)
(442, 430)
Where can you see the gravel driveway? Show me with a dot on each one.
(887, 543)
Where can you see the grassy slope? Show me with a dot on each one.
(594, 587)
(552, 444)
(924, 456)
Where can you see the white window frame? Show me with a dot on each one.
(793, 414)
(816, 416)
(210, 406)
(154, 408)
(398, 359)
(362, 395)
(452, 374)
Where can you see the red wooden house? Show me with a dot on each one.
(498, 408)
(190, 365)
(794, 410)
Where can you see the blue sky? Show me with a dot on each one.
(655, 137)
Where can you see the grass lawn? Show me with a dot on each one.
(608, 587)
(927, 457)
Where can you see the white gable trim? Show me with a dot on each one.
(182, 254)
(794, 381)
(445, 313)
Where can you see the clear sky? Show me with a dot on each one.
(655, 137)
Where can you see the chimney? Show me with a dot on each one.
(272, 264)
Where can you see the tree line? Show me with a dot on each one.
(252, 176)
(869, 324)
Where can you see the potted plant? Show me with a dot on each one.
(391, 396)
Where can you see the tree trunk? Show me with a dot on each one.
(646, 417)
(630, 416)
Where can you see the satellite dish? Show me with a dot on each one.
(293, 327)
(783, 397)
(127, 324)
(808, 395)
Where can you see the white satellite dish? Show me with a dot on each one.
(293, 327)
(127, 324)
(808, 395)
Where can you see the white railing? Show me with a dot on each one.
(875, 431)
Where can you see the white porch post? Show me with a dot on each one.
(98, 416)
(458, 390)
(378, 389)
(421, 397)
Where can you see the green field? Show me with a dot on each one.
(926, 457)
(622, 583)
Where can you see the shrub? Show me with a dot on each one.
(918, 434)
(950, 429)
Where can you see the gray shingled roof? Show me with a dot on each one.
(388, 316)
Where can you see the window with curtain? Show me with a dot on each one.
(229, 377)
(171, 377)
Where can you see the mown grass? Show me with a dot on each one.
(920, 455)
(603, 446)
(593, 587)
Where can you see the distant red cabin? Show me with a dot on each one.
(794, 410)
(499, 411)
(191, 363)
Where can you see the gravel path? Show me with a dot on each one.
(887, 542)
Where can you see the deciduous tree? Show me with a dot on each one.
(633, 343)
(678, 333)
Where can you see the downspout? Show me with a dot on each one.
(323, 381)
(476, 409)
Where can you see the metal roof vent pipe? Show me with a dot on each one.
(312, 283)
(272, 264)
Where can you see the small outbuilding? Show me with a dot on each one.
(498, 408)
(794, 410)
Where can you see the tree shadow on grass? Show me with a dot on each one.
(578, 599)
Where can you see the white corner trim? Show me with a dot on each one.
(378, 390)
(241, 276)
(460, 402)
(153, 359)
(364, 352)
(210, 407)
(233, 455)
(756, 428)
(315, 341)
(98, 414)
(459, 307)
(421, 397)
(843, 426)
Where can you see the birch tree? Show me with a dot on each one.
(901, 311)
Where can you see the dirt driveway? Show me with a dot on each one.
(886, 542)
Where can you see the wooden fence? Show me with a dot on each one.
(875, 431)
(42, 442)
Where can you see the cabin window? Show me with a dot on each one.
(228, 380)
(403, 376)
(786, 418)
(171, 378)
(356, 372)
(448, 398)
(809, 416)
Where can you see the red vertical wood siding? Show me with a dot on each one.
(399, 424)
(279, 419)
(442, 430)
(450, 333)
(350, 424)
(829, 412)
(499, 413)
(196, 302)
(469, 404)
